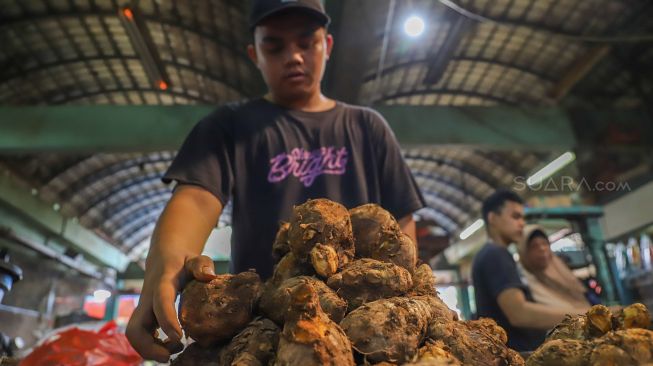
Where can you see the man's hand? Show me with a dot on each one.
(174, 257)
(156, 310)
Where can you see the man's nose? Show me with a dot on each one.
(294, 55)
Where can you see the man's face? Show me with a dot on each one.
(509, 222)
(291, 51)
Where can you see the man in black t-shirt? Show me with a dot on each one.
(267, 155)
(498, 289)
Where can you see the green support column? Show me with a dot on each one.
(596, 243)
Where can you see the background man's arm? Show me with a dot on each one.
(525, 314)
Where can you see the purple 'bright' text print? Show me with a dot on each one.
(307, 165)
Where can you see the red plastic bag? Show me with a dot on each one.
(77, 347)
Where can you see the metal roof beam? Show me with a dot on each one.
(51, 224)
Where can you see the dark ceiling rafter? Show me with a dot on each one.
(111, 172)
(437, 179)
(93, 216)
(185, 94)
(444, 91)
(130, 203)
(70, 62)
(156, 204)
(135, 183)
(388, 70)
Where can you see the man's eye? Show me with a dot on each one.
(274, 50)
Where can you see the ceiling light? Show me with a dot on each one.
(551, 168)
(471, 229)
(136, 28)
(414, 26)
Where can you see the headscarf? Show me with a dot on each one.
(556, 285)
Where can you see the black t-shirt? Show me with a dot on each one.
(267, 158)
(493, 271)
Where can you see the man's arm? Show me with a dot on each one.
(407, 225)
(525, 314)
(178, 240)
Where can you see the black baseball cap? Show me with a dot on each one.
(263, 9)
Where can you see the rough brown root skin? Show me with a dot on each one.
(473, 343)
(289, 266)
(365, 280)
(309, 337)
(561, 352)
(254, 345)
(276, 299)
(281, 245)
(324, 260)
(636, 342)
(572, 327)
(599, 320)
(435, 353)
(490, 328)
(369, 223)
(194, 354)
(632, 316)
(391, 329)
(212, 312)
(321, 221)
(609, 355)
(397, 248)
(423, 282)
(377, 235)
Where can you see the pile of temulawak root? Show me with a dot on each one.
(346, 290)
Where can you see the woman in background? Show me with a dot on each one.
(548, 277)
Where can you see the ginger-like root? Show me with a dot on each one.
(369, 223)
(212, 312)
(609, 355)
(423, 281)
(276, 300)
(391, 330)
(288, 267)
(490, 327)
(434, 353)
(377, 235)
(561, 352)
(281, 245)
(473, 342)
(309, 337)
(599, 321)
(194, 354)
(321, 221)
(324, 260)
(635, 342)
(365, 280)
(571, 327)
(255, 345)
(632, 316)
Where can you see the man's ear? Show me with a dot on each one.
(491, 218)
(251, 52)
(329, 41)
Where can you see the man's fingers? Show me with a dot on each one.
(140, 336)
(201, 268)
(164, 310)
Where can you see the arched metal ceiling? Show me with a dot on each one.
(79, 52)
